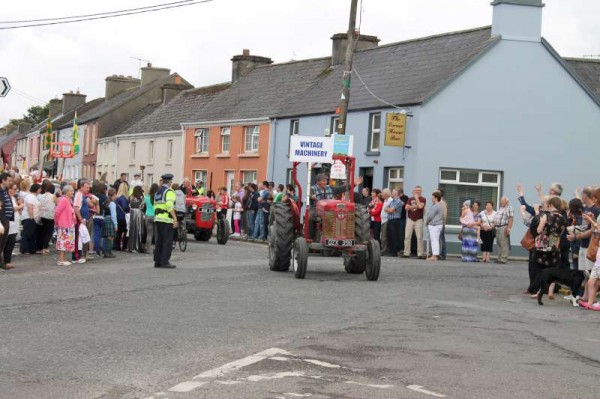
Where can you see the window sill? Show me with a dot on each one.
(372, 153)
(200, 155)
(223, 155)
(168, 163)
(249, 155)
(131, 164)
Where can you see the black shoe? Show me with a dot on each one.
(109, 256)
(406, 256)
(168, 266)
(421, 257)
(156, 265)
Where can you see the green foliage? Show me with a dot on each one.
(35, 115)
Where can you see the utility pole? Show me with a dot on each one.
(347, 78)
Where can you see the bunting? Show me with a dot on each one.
(75, 135)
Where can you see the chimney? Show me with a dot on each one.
(24, 127)
(71, 100)
(56, 106)
(116, 85)
(340, 44)
(170, 90)
(243, 64)
(519, 20)
(150, 74)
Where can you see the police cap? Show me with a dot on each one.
(167, 176)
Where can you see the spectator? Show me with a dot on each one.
(137, 181)
(394, 211)
(591, 288)
(121, 180)
(375, 208)
(252, 208)
(590, 203)
(280, 193)
(200, 187)
(488, 231)
(415, 209)
(237, 215)
(386, 199)
(246, 201)
(122, 204)
(475, 208)
(30, 220)
(64, 218)
(503, 221)
(82, 204)
(8, 209)
(365, 197)
(14, 224)
(576, 226)
(149, 217)
(290, 192)
(468, 233)
(444, 206)
(136, 220)
(435, 222)
(222, 203)
(47, 207)
(99, 191)
(110, 227)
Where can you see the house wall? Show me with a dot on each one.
(107, 159)
(236, 162)
(21, 153)
(89, 148)
(157, 163)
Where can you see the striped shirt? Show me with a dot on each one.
(503, 215)
(7, 205)
(397, 204)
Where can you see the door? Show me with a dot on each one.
(229, 180)
(367, 174)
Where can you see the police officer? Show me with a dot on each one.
(166, 221)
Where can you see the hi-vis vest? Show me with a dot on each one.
(164, 202)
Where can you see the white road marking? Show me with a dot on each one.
(298, 395)
(238, 364)
(419, 388)
(187, 386)
(280, 358)
(274, 376)
(322, 364)
(229, 382)
(370, 385)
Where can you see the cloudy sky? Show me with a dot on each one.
(198, 41)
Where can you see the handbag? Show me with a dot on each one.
(593, 248)
(528, 241)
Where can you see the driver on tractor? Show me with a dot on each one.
(323, 191)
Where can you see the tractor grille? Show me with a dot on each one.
(334, 227)
(206, 212)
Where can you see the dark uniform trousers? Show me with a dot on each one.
(164, 243)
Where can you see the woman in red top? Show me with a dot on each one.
(375, 208)
(222, 203)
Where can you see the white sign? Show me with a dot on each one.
(338, 170)
(311, 149)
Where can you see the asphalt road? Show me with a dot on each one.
(222, 325)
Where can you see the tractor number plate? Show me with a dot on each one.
(202, 210)
(340, 243)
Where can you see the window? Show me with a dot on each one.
(225, 133)
(93, 143)
(150, 179)
(249, 176)
(395, 177)
(169, 150)
(252, 133)
(132, 152)
(288, 177)
(200, 175)
(374, 132)
(201, 141)
(334, 127)
(151, 151)
(294, 129)
(460, 185)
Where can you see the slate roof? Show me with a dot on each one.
(588, 70)
(403, 73)
(262, 92)
(124, 97)
(66, 120)
(135, 118)
(168, 117)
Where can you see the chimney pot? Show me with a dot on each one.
(246, 51)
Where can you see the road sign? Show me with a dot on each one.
(4, 87)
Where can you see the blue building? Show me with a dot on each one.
(490, 107)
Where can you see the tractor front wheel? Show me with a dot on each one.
(373, 261)
(300, 257)
(222, 231)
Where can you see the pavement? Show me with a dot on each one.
(222, 325)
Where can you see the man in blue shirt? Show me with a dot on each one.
(394, 212)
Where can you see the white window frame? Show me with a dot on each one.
(245, 180)
(333, 125)
(398, 179)
(200, 172)
(132, 151)
(151, 152)
(169, 150)
(374, 131)
(251, 137)
(480, 182)
(225, 133)
(202, 140)
(294, 130)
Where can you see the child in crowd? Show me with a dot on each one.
(222, 203)
(237, 215)
(110, 223)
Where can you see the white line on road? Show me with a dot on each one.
(322, 364)
(420, 389)
(187, 386)
(274, 376)
(238, 364)
(370, 385)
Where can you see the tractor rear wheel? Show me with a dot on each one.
(202, 235)
(300, 257)
(281, 237)
(222, 231)
(356, 264)
(373, 262)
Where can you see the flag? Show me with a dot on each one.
(75, 135)
(4, 161)
(48, 135)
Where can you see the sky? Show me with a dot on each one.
(198, 41)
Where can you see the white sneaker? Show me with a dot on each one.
(81, 260)
(66, 263)
(235, 235)
(569, 297)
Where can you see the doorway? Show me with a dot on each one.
(367, 174)
(229, 180)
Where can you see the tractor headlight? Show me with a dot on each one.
(194, 207)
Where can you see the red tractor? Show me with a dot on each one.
(201, 217)
(339, 226)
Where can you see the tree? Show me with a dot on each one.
(35, 115)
